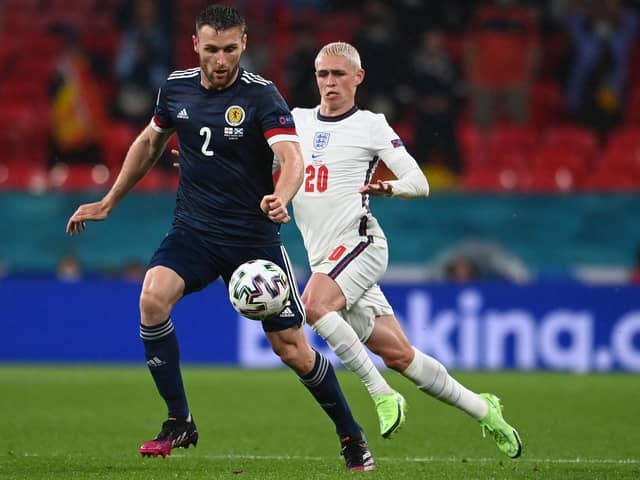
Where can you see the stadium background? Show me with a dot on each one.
(545, 210)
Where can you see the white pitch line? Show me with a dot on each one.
(595, 461)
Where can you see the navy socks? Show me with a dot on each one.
(321, 381)
(163, 359)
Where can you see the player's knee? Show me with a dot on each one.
(398, 359)
(154, 308)
(314, 311)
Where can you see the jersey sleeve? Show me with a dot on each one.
(275, 118)
(161, 121)
(411, 182)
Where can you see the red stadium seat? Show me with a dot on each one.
(116, 140)
(578, 139)
(23, 177)
(24, 134)
(560, 156)
(626, 138)
(503, 179)
(512, 138)
(555, 169)
(153, 181)
(552, 179)
(624, 161)
(69, 178)
(473, 145)
(547, 105)
(605, 179)
(517, 159)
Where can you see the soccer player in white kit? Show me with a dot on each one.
(348, 251)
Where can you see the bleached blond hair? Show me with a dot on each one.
(343, 49)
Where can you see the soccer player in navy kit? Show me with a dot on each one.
(230, 123)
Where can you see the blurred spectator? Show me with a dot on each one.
(602, 34)
(133, 271)
(382, 58)
(461, 269)
(501, 57)
(300, 72)
(479, 260)
(436, 83)
(142, 63)
(77, 108)
(68, 269)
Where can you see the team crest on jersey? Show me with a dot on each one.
(320, 140)
(234, 115)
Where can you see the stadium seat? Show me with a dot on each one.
(625, 161)
(556, 168)
(517, 159)
(502, 179)
(606, 179)
(572, 137)
(547, 105)
(68, 178)
(512, 138)
(116, 139)
(560, 156)
(154, 181)
(24, 134)
(27, 177)
(625, 138)
(473, 145)
(554, 179)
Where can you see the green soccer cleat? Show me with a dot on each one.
(391, 409)
(505, 435)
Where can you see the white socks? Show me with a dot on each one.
(431, 377)
(345, 343)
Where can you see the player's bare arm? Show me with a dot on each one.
(289, 156)
(142, 155)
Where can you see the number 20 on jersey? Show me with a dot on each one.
(316, 178)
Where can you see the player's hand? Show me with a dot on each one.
(96, 211)
(378, 189)
(275, 208)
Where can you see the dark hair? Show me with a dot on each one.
(220, 17)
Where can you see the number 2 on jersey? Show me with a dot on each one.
(316, 179)
(206, 133)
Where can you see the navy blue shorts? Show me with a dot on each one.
(200, 261)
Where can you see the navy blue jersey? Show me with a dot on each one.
(224, 138)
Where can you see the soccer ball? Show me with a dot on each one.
(259, 289)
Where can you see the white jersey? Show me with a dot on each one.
(340, 156)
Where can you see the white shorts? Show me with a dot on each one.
(356, 264)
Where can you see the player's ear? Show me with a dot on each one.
(359, 76)
(194, 38)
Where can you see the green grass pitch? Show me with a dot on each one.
(86, 422)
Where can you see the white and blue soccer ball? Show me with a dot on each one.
(259, 289)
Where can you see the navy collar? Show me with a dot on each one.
(348, 113)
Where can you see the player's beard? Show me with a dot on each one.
(217, 83)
